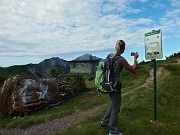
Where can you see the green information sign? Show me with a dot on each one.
(153, 45)
(153, 51)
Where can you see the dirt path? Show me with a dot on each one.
(147, 81)
(61, 124)
(54, 126)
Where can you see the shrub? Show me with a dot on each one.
(91, 78)
(57, 73)
(78, 82)
(2, 79)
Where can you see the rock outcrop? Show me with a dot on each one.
(87, 57)
(23, 95)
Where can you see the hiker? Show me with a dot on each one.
(110, 118)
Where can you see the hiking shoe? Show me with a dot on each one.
(115, 133)
(104, 125)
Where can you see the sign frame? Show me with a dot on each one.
(153, 44)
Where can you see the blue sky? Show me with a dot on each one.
(34, 30)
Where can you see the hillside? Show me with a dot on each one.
(41, 69)
(14, 70)
(136, 116)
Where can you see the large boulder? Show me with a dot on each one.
(23, 95)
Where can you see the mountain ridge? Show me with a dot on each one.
(43, 68)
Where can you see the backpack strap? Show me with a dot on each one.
(112, 60)
(115, 58)
(109, 55)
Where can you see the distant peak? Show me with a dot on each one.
(86, 57)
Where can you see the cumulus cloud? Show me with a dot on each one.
(171, 23)
(47, 27)
(157, 4)
(175, 3)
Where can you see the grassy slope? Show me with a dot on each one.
(72, 104)
(13, 70)
(60, 111)
(136, 116)
(137, 109)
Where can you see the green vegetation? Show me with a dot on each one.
(173, 56)
(77, 81)
(136, 116)
(57, 73)
(2, 79)
(66, 108)
(13, 70)
(130, 81)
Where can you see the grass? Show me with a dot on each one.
(13, 70)
(130, 80)
(67, 107)
(62, 110)
(137, 114)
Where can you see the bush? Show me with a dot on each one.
(91, 78)
(75, 80)
(2, 79)
(78, 82)
(57, 73)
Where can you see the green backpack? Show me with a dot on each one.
(103, 80)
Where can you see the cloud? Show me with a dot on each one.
(171, 23)
(47, 27)
(159, 5)
(53, 27)
(175, 3)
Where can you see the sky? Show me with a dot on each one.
(34, 30)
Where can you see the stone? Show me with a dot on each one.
(19, 95)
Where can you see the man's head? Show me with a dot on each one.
(120, 46)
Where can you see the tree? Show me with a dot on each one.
(57, 73)
(78, 82)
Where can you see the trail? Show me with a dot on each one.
(60, 125)
(147, 81)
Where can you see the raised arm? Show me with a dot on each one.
(127, 66)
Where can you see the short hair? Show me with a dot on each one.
(120, 44)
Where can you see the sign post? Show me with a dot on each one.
(155, 88)
(153, 51)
